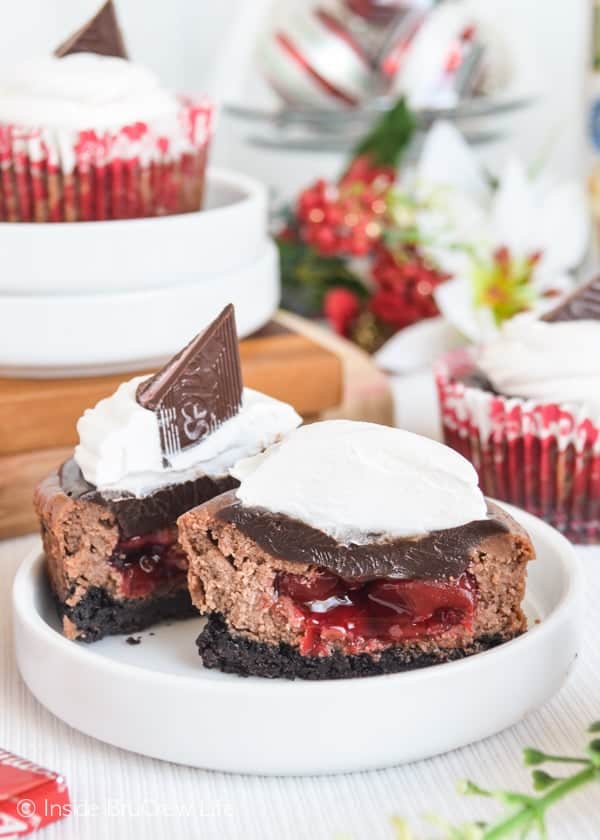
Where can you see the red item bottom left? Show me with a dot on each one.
(30, 796)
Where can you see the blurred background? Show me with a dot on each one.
(208, 46)
(356, 252)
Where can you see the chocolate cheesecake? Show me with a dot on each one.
(152, 451)
(292, 591)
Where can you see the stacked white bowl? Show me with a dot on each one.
(88, 298)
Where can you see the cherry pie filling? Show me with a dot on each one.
(386, 610)
(149, 561)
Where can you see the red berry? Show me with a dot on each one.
(405, 286)
(341, 308)
(333, 214)
(359, 245)
(325, 240)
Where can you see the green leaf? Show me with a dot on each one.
(531, 757)
(468, 788)
(306, 277)
(543, 780)
(593, 750)
(514, 799)
(390, 136)
(594, 727)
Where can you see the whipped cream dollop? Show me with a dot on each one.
(120, 451)
(82, 91)
(356, 481)
(549, 361)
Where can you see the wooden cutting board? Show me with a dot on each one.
(38, 417)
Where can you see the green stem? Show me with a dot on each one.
(517, 821)
(565, 759)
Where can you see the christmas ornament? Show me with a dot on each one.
(401, 32)
(441, 61)
(311, 58)
(380, 25)
(342, 53)
(381, 12)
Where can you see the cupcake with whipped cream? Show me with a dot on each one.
(525, 409)
(87, 135)
(147, 454)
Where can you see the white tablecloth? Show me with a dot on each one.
(122, 795)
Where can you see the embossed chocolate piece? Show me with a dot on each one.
(100, 35)
(199, 389)
(582, 305)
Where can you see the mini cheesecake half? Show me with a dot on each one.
(286, 599)
(115, 564)
(154, 449)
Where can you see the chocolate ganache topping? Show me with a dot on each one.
(439, 554)
(140, 515)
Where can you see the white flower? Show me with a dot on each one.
(464, 221)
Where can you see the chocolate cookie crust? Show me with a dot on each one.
(233, 654)
(97, 615)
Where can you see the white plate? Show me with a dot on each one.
(78, 335)
(82, 258)
(155, 698)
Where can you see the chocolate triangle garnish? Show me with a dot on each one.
(198, 389)
(100, 35)
(581, 305)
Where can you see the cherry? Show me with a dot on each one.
(387, 610)
(165, 536)
(306, 590)
(419, 599)
(147, 560)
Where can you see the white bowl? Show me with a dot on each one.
(77, 335)
(155, 698)
(138, 254)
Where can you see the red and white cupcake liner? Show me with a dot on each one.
(543, 457)
(139, 170)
